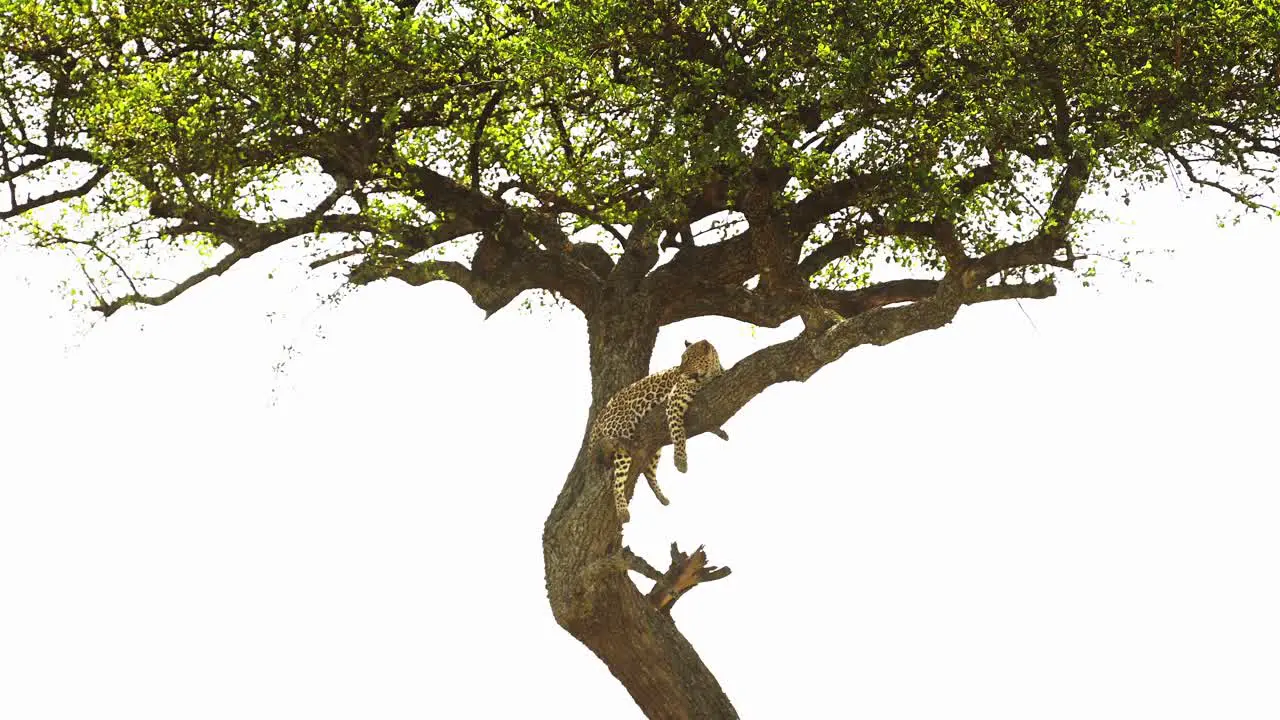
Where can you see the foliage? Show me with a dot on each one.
(190, 127)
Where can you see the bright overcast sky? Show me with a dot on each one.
(1067, 513)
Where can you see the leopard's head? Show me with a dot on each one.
(700, 361)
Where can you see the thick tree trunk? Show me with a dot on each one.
(593, 598)
(587, 582)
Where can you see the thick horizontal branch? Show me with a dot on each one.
(771, 309)
(855, 302)
(410, 239)
(441, 192)
(729, 261)
(798, 359)
(708, 280)
(795, 360)
(554, 266)
(335, 257)
(933, 304)
(421, 273)
(488, 296)
(491, 282)
(1015, 291)
(831, 198)
(736, 302)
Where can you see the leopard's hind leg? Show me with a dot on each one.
(621, 468)
(651, 474)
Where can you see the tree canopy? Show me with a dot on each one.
(869, 166)
(563, 134)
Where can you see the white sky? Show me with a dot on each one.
(996, 520)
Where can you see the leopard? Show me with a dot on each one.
(674, 388)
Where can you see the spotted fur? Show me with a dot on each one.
(673, 388)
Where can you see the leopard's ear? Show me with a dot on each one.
(687, 343)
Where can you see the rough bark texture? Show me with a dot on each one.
(593, 598)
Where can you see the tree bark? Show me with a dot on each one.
(590, 592)
(593, 598)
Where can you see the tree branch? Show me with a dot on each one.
(640, 565)
(850, 303)
(715, 272)
(842, 244)
(822, 202)
(767, 309)
(1249, 201)
(685, 573)
(933, 304)
(428, 271)
(473, 155)
(554, 266)
(1039, 290)
(497, 274)
(1051, 237)
(639, 255)
(53, 197)
(245, 238)
(56, 239)
(557, 203)
(109, 308)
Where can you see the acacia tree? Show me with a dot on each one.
(867, 166)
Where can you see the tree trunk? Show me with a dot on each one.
(587, 583)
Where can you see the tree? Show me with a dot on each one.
(869, 168)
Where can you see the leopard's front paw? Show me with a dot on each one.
(682, 463)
